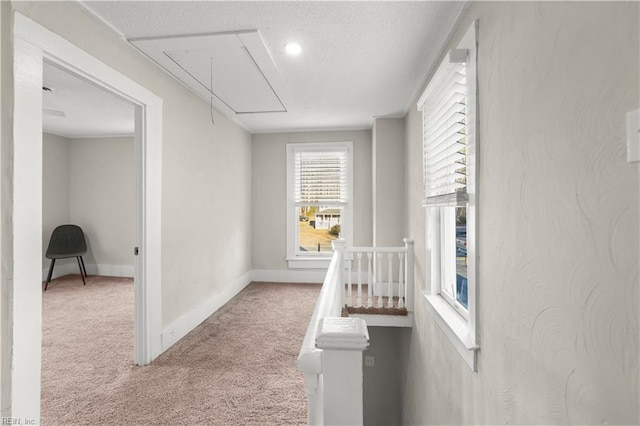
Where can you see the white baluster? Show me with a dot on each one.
(390, 281)
(379, 279)
(369, 281)
(359, 279)
(400, 280)
(349, 297)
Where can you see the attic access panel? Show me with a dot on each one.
(234, 68)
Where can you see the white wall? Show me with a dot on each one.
(388, 181)
(55, 189)
(559, 226)
(382, 396)
(206, 192)
(269, 188)
(102, 198)
(91, 183)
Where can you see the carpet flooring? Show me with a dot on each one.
(236, 368)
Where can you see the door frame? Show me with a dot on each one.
(32, 44)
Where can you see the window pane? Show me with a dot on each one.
(461, 256)
(447, 246)
(453, 256)
(317, 227)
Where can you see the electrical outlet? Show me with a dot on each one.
(369, 361)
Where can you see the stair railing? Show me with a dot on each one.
(331, 354)
(380, 274)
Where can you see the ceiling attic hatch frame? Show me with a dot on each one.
(247, 80)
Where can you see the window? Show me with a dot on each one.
(319, 201)
(450, 143)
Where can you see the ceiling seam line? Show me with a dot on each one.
(210, 90)
(265, 77)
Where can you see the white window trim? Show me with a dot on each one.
(462, 332)
(294, 259)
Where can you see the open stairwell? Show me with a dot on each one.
(364, 287)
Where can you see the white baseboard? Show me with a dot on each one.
(288, 275)
(265, 275)
(71, 267)
(111, 270)
(62, 268)
(183, 325)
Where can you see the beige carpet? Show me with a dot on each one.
(237, 368)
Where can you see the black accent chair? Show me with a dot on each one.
(67, 241)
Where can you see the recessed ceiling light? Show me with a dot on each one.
(293, 48)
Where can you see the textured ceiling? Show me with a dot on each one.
(360, 59)
(75, 108)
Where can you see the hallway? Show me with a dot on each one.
(238, 367)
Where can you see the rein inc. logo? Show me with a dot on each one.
(17, 421)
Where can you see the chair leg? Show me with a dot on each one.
(83, 267)
(53, 262)
(81, 273)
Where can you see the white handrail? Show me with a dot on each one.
(331, 353)
(378, 249)
(329, 304)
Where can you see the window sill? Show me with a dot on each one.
(308, 262)
(455, 328)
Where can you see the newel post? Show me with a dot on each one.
(314, 398)
(342, 341)
(409, 274)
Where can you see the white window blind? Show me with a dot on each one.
(444, 135)
(320, 178)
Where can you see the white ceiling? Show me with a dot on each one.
(234, 70)
(360, 60)
(75, 108)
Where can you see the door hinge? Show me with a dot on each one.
(136, 250)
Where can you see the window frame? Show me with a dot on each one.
(459, 325)
(294, 258)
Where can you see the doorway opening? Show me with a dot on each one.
(33, 44)
(89, 181)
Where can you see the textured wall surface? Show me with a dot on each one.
(269, 191)
(559, 232)
(206, 174)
